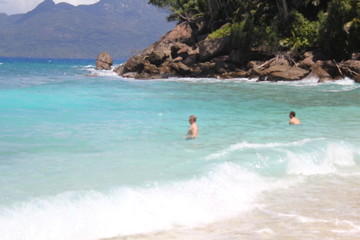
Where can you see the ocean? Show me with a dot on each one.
(87, 155)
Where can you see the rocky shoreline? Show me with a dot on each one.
(187, 51)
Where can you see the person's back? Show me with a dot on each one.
(293, 119)
(193, 129)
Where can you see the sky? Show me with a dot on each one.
(22, 6)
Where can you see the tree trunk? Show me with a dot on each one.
(283, 10)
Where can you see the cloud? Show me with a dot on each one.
(77, 2)
(23, 6)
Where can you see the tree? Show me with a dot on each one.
(339, 34)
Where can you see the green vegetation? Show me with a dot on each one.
(277, 25)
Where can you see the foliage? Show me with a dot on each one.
(333, 25)
(244, 34)
(221, 32)
(303, 33)
(182, 10)
(340, 30)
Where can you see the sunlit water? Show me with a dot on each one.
(92, 157)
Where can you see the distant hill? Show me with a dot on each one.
(120, 27)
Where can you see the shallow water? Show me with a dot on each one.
(99, 157)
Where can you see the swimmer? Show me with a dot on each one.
(293, 119)
(193, 129)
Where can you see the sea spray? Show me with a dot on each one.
(225, 192)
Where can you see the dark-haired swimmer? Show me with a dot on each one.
(293, 119)
(193, 129)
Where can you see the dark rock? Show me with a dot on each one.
(180, 68)
(330, 67)
(318, 72)
(206, 66)
(357, 78)
(134, 64)
(256, 73)
(150, 69)
(351, 67)
(236, 74)
(185, 51)
(104, 61)
(166, 69)
(130, 75)
(211, 48)
(201, 27)
(157, 57)
(306, 63)
(221, 59)
(190, 60)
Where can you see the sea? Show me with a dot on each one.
(89, 155)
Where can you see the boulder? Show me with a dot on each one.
(357, 78)
(211, 48)
(180, 68)
(104, 61)
(150, 69)
(353, 65)
(351, 68)
(157, 57)
(256, 73)
(306, 63)
(134, 64)
(206, 66)
(283, 73)
(235, 74)
(181, 33)
(190, 60)
(330, 67)
(281, 60)
(165, 69)
(318, 72)
(186, 51)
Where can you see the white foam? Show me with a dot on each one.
(310, 81)
(102, 73)
(325, 161)
(246, 145)
(224, 192)
(341, 85)
(343, 82)
(206, 80)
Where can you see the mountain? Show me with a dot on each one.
(120, 27)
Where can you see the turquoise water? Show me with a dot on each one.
(91, 157)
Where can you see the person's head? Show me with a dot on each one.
(192, 119)
(292, 114)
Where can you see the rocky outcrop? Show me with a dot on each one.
(104, 61)
(351, 68)
(283, 73)
(188, 51)
(318, 72)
